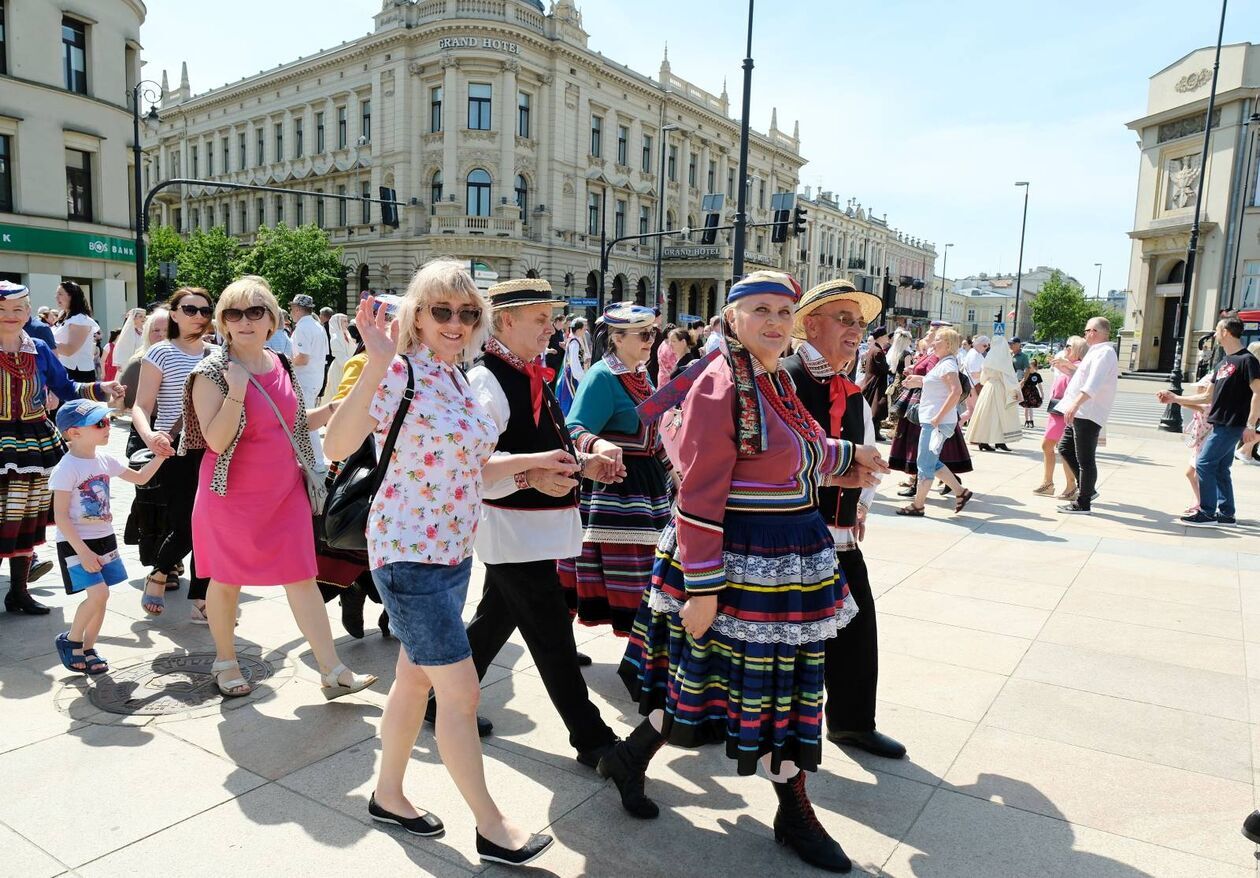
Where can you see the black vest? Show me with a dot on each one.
(838, 507)
(522, 436)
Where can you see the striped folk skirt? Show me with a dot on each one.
(755, 680)
(28, 452)
(621, 525)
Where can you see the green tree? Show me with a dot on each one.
(296, 261)
(1097, 308)
(1059, 309)
(209, 260)
(165, 245)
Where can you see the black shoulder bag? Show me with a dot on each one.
(344, 522)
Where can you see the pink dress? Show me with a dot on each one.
(1054, 423)
(260, 532)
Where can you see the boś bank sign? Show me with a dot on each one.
(491, 43)
(54, 242)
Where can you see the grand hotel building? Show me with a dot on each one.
(511, 143)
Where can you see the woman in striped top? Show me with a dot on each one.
(728, 643)
(158, 416)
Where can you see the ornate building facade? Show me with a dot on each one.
(511, 143)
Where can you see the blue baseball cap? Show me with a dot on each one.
(81, 413)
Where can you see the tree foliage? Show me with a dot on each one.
(296, 261)
(165, 245)
(209, 260)
(1061, 310)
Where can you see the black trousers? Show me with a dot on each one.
(528, 596)
(179, 485)
(852, 658)
(1079, 447)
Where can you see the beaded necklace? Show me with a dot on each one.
(790, 408)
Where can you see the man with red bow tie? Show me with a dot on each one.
(832, 319)
(530, 521)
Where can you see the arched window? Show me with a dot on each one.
(478, 195)
(522, 196)
(435, 191)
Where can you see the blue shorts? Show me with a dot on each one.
(76, 579)
(424, 602)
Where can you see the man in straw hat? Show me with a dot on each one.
(832, 318)
(530, 521)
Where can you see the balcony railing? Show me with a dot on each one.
(474, 225)
(857, 262)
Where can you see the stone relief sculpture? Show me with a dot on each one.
(1183, 181)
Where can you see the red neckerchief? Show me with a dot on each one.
(841, 388)
(537, 372)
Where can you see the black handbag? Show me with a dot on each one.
(344, 522)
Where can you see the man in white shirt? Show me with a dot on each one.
(1086, 405)
(310, 351)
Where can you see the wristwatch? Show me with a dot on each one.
(522, 481)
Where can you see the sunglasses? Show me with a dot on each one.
(467, 316)
(643, 334)
(254, 312)
(193, 311)
(101, 424)
(848, 321)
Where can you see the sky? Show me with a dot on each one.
(922, 110)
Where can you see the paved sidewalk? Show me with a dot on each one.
(1078, 695)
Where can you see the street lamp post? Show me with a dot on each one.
(138, 91)
(741, 217)
(1019, 272)
(1098, 287)
(1171, 421)
(944, 267)
(660, 212)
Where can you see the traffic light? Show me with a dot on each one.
(798, 221)
(779, 231)
(389, 210)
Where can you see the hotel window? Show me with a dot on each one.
(74, 54)
(240, 152)
(196, 220)
(223, 149)
(522, 197)
(319, 208)
(1251, 284)
(279, 209)
(261, 209)
(244, 217)
(299, 212)
(597, 136)
(623, 145)
(522, 114)
(647, 154)
(712, 181)
(259, 154)
(342, 126)
(435, 191)
(6, 174)
(365, 193)
(478, 193)
(619, 220)
(592, 213)
(691, 171)
(210, 159)
(279, 132)
(365, 120)
(730, 182)
(479, 95)
(299, 144)
(761, 194)
(671, 163)
(645, 219)
(195, 164)
(319, 133)
(435, 109)
(341, 207)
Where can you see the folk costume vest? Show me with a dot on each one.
(838, 506)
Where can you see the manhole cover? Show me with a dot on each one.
(168, 684)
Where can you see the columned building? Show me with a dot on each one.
(1171, 172)
(512, 144)
(849, 241)
(66, 202)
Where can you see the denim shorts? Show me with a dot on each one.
(424, 602)
(927, 462)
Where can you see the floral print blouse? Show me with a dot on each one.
(429, 502)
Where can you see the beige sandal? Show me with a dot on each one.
(1046, 490)
(333, 688)
(234, 688)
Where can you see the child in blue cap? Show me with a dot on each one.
(87, 551)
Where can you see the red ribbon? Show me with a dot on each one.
(841, 388)
(538, 376)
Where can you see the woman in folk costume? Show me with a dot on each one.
(728, 645)
(995, 420)
(30, 445)
(621, 522)
(577, 358)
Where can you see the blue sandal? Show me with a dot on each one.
(95, 664)
(65, 651)
(153, 604)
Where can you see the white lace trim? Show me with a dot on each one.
(623, 537)
(784, 570)
(792, 633)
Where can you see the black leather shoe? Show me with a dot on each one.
(383, 624)
(1002, 446)
(590, 758)
(484, 727)
(872, 742)
(25, 604)
(526, 853)
(984, 446)
(425, 825)
(38, 569)
(352, 611)
(584, 660)
(1251, 826)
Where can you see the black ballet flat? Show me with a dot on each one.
(426, 825)
(526, 853)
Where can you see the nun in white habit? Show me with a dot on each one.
(995, 421)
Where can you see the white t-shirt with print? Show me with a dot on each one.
(309, 339)
(87, 481)
(84, 359)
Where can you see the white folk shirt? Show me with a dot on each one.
(518, 536)
(973, 363)
(1097, 376)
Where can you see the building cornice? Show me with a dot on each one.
(1190, 108)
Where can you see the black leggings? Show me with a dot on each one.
(179, 485)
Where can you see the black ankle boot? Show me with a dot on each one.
(18, 600)
(352, 611)
(796, 827)
(627, 765)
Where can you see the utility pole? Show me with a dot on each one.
(741, 216)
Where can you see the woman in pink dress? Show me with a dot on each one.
(1062, 368)
(252, 518)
